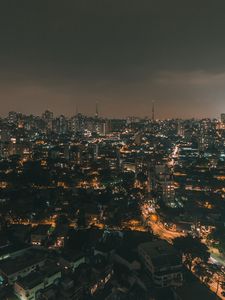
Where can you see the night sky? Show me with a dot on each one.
(124, 54)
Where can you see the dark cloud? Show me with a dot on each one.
(55, 53)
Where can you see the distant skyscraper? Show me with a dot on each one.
(12, 117)
(96, 110)
(223, 118)
(138, 138)
(153, 110)
(180, 129)
(48, 115)
(48, 118)
(61, 124)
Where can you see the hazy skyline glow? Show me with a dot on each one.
(56, 55)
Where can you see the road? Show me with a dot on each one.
(214, 286)
(158, 229)
(151, 219)
(162, 232)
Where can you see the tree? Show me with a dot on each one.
(33, 173)
(81, 220)
(128, 180)
(105, 175)
(218, 236)
(192, 249)
(142, 177)
(202, 272)
(62, 220)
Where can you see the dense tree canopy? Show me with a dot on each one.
(191, 248)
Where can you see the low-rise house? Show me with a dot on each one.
(102, 271)
(40, 234)
(71, 260)
(128, 258)
(69, 290)
(163, 262)
(34, 284)
(60, 234)
(20, 266)
(21, 232)
(12, 250)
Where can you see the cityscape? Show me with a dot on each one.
(112, 150)
(98, 208)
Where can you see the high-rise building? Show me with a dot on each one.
(62, 124)
(96, 110)
(153, 110)
(47, 116)
(12, 117)
(180, 129)
(223, 118)
(163, 262)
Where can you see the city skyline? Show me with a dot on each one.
(112, 149)
(122, 54)
(93, 114)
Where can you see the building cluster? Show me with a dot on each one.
(83, 198)
(92, 264)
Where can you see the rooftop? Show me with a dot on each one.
(41, 229)
(31, 280)
(36, 277)
(12, 266)
(158, 248)
(162, 253)
(11, 248)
